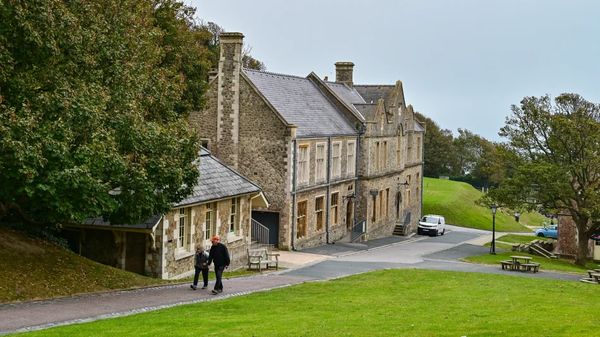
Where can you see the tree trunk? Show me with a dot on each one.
(582, 247)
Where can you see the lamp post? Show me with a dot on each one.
(493, 246)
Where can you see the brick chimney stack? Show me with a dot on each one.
(343, 73)
(228, 99)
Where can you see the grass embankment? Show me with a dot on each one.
(456, 202)
(36, 269)
(383, 303)
(33, 269)
(506, 242)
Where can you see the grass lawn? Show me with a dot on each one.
(562, 265)
(456, 202)
(382, 303)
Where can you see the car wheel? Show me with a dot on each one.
(444, 231)
(541, 235)
(435, 233)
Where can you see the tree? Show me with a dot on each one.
(558, 146)
(248, 61)
(93, 103)
(437, 148)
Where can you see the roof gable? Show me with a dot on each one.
(301, 103)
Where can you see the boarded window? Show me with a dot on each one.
(334, 207)
(376, 161)
(301, 219)
(319, 202)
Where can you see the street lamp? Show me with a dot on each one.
(493, 246)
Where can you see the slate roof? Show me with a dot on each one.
(99, 222)
(300, 102)
(216, 181)
(372, 93)
(350, 95)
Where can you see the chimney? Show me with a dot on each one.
(228, 99)
(343, 73)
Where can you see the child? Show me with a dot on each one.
(200, 265)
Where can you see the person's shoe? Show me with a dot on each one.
(214, 292)
(193, 287)
(203, 287)
(220, 290)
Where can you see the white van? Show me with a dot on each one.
(432, 224)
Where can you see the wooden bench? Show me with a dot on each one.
(507, 264)
(531, 266)
(261, 259)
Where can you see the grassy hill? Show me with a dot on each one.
(456, 201)
(36, 269)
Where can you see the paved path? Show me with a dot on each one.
(326, 262)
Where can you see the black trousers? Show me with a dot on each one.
(204, 276)
(219, 275)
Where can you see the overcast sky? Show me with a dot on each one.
(462, 62)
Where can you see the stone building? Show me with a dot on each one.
(164, 245)
(332, 157)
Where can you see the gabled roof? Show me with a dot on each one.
(217, 181)
(372, 93)
(350, 95)
(300, 102)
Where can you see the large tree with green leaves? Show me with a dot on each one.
(438, 149)
(93, 103)
(557, 150)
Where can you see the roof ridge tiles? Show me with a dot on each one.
(274, 73)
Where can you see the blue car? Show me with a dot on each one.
(548, 232)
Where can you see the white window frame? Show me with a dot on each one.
(351, 157)
(321, 162)
(303, 164)
(233, 215)
(209, 220)
(336, 161)
(182, 229)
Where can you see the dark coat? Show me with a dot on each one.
(219, 255)
(201, 260)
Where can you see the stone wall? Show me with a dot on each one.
(177, 263)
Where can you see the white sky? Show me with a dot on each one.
(462, 62)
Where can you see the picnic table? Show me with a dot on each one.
(594, 276)
(520, 263)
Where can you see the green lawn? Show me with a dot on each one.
(514, 238)
(384, 303)
(456, 202)
(562, 265)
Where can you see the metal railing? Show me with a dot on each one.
(259, 233)
(358, 231)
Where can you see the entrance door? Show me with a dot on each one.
(271, 221)
(349, 214)
(135, 252)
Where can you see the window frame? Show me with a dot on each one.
(336, 162)
(334, 206)
(301, 218)
(303, 163)
(320, 212)
(321, 168)
(351, 157)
